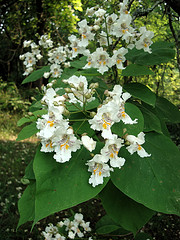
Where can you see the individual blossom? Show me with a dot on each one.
(122, 26)
(104, 119)
(101, 60)
(76, 47)
(145, 40)
(135, 145)
(29, 60)
(99, 168)
(119, 98)
(88, 143)
(110, 21)
(55, 70)
(85, 32)
(118, 57)
(45, 41)
(100, 12)
(65, 143)
(111, 150)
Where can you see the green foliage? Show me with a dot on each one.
(36, 75)
(160, 188)
(123, 210)
(11, 99)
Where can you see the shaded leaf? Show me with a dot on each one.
(152, 181)
(36, 74)
(27, 131)
(141, 92)
(124, 210)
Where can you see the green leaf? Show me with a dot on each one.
(106, 225)
(79, 64)
(26, 204)
(29, 173)
(141, 92)
(162, 52)
(152, 181)
(62, 185)
(134, 112)
(136, 70)
(157, 56)
(143, 236)
(167, 111)
(123, 210)
(89, 73)
(83, 127)
(31, 118)
(27, 132)
(36, 74)
(91, 105)
(151, 121)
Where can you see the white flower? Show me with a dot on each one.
(122, 25)
(119, 98)
(27, 43)
(55, 70)
(145, 40)
(135, 145)
(104, 119)
(85, 32)
(99, 169)
(88, 143)
(46, 74)
(101, 60)
(65, 142)
(111, 150)
(100, 12)
(118, 57)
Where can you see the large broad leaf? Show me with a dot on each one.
(79, 64)
(62, 185)
(167, 111)
(134, 112)
(162, 52)
(123, 210)
(136, 70)
(26, 204)
(141, 92)
(157, 56)
(151, 121)
(36, 74)
(31, 118)
(27, 131)
(152, 181)
(106, 225)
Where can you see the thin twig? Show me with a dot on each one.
(175, 37)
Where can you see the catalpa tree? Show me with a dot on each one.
(100, 137)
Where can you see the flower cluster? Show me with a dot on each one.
(57, 135)
(55, 132)
(77, 227)
(105, 33)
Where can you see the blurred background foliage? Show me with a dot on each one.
(26, 19)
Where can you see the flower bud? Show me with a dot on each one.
(92, 114)
(68, 90)
(30, 114)
(66, 112)
(106, 93)
(88, 95)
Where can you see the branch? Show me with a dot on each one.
(174, 4)
(175, 37)
(139, 12)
